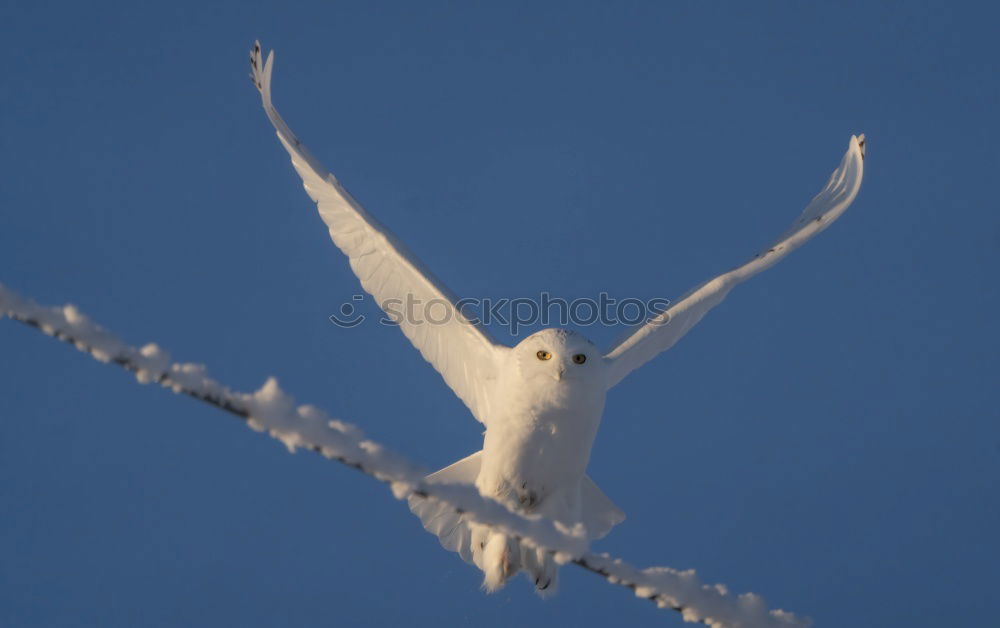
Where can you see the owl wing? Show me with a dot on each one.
(662, 331)
(463, 353)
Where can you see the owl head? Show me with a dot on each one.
(559, 355)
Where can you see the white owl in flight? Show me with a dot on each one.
(541, 401)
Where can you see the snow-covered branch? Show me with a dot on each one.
(271, 410)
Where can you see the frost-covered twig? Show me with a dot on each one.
(683, 592)
(270, 409)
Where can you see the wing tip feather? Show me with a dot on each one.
(260, 70)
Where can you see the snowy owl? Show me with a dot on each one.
(541, 401)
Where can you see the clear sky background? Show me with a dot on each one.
(827, 438)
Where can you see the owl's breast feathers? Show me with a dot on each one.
(538, 444)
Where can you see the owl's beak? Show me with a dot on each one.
(559, 373)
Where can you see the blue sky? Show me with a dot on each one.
(827, 438)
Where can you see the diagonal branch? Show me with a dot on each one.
(272, 410)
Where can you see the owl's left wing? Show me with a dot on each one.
(461, 351)
(662, 331)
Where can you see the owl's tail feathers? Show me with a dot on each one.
(441, 520)
(598, 512)
(496, 555)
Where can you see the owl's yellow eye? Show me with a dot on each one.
(543, 355)
(579, 358)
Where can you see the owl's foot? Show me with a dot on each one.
(542, 569)
(528, 500)
(501, 560)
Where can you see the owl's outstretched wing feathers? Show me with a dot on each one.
(463, 353)
(660, 333)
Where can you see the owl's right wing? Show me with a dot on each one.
(462, 352)
(661, 332)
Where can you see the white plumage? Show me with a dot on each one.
(540, 401)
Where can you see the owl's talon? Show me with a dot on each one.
(528, 500)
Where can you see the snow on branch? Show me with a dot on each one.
(271, 410)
